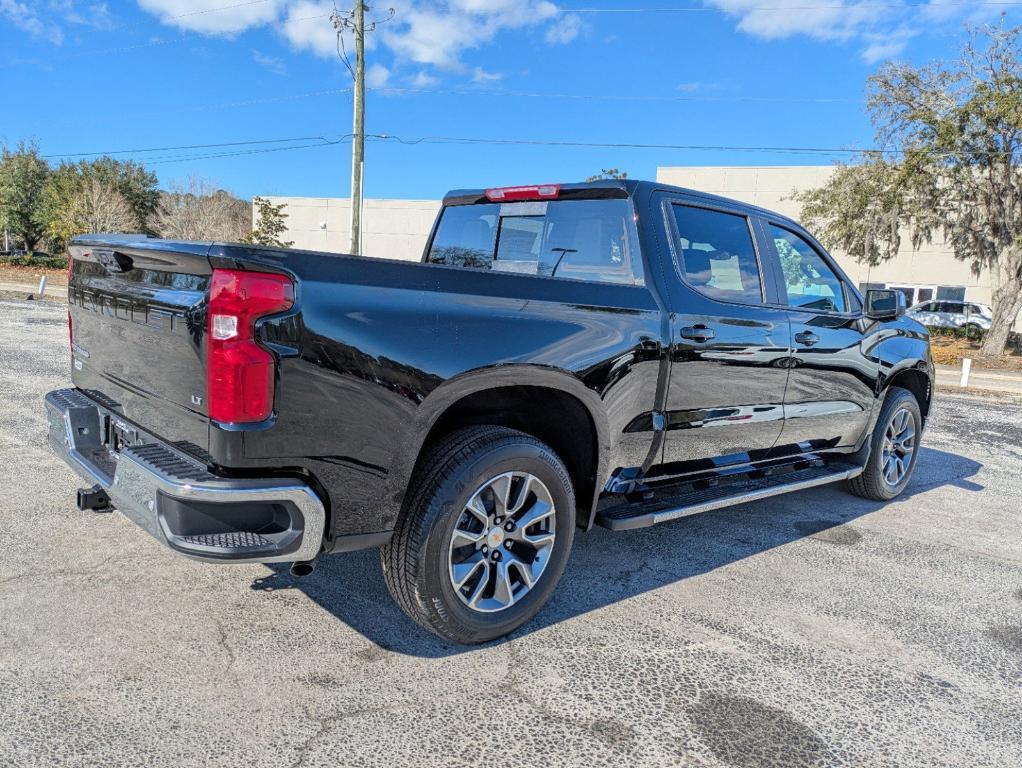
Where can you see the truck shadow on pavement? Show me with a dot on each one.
(607, 567)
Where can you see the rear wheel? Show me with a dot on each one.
(484, 535)
(894, 449)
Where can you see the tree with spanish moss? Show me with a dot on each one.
(951, 139)
(609, 173)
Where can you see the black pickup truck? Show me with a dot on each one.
(616, 353)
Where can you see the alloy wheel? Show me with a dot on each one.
(502, 541)
(899, 446)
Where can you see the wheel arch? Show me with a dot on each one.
(549, 404)
(916, 381)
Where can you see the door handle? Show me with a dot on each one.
(806, 338)
(697, 333)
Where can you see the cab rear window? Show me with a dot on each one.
(574, 239)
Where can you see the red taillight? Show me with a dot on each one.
(513, 194)
(240, 373)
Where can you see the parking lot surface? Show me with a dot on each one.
(807, 630)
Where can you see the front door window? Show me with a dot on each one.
(809, 281)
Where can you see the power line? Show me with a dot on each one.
(323, 141)
(692, 147)
(615, 145)
(188, 158)
(611, 97)
(191, 146)
(215, 10)
(743, 9)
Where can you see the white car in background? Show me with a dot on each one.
(953, 314)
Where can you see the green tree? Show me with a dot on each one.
(270, 225)
(124, 182)
(954, 131)
(609, 173)
(23, 175)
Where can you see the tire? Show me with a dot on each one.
(875, 482)
(432, 546)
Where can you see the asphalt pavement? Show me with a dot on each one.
(813, 629)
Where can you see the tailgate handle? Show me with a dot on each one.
(113, 260)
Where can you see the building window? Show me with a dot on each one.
(950, 293)
(919, 294)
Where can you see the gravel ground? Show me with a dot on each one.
(812, 629)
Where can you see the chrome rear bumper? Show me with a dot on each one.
(176, 499)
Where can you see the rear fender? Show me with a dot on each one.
(452, 391)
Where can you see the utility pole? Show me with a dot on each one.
(355, 21)
(358, 138)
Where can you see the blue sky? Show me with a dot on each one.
(87, 77)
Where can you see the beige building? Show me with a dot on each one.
(398, 229)
(393, 229)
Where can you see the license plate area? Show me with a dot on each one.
(121, 435)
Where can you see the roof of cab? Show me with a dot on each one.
(611, 188)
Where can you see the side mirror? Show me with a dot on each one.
(884, 305)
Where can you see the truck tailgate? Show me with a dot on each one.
(137, 319)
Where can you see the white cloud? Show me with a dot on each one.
(273, 63)
(211, 17)
(565, 29)
(695, 86)
(308, 26)
(433, 33)
(837, 20)
(883, 46)
(884, 30)
(480, 75)
(942, 10)
(27, 19)
(377, 76)
(95, 15)
(438, 35)
(424, 80)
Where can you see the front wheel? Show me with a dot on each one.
(894, 449)
(484, 535)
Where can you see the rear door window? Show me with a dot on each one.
(717, 255)
(592, 240)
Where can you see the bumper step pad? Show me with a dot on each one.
(231, 540)
(162, 460)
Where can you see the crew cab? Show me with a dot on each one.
(614, 353)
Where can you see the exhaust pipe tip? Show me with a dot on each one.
(303, 568)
